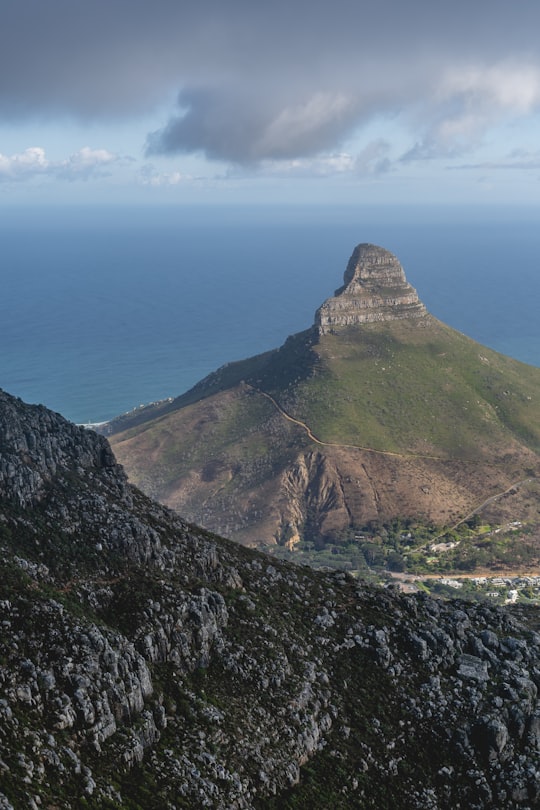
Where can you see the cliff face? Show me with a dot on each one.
(374, 289)
(147, 663)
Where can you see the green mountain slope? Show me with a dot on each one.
(399, 387)
(378, 411)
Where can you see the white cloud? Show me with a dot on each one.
(26, 164)
(86, 163)
(86, 157)
(32, 163)
(500, 87)
(468, 100)
(371, 160)
(156, 179)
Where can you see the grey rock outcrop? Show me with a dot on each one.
(145, 662)
(37, 444)
(374, 289)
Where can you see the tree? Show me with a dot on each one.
(396, 562)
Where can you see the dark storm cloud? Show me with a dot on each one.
(244, 128)
(274, 80)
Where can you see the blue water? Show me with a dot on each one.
(103, 309)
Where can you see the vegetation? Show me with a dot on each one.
(397, 387)
(424, 402)
(408, 546)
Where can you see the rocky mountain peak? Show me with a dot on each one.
(374, 289)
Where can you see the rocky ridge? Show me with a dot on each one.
(374, 289)
(147, 663)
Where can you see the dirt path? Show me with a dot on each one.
(476, 510)
(315, 439)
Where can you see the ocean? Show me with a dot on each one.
(104, 309)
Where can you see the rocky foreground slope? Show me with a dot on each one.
(145, 663)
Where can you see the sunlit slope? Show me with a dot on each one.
(401, 386)
(418, 387)
(330, 431)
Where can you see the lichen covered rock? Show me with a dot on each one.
(145, 662)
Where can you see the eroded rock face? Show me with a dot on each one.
(36, 445)
(314, 498)
(374, 289)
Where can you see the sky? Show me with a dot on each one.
(297, 101)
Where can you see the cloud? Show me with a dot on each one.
(246, 83)
(468, 100)
(150, 176)
(374, 159)
(224, 124)
(32, 163)
(27, 164)
(371, 161)
(520, 160)
(86, 163)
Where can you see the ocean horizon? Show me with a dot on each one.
(105, 309)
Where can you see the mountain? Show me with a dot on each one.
(146, 663)
(379, 411)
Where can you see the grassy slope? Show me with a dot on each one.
(395, 386)
(226, 431)
(399, 387)
(279, 367)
